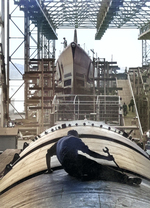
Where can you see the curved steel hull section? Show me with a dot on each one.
(59, 190)
(127, 154)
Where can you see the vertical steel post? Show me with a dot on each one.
(7, 99)
(27, 56)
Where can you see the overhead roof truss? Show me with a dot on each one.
(132, 14)
(99, 14)
(71, 13)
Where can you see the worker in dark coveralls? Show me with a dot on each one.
(131, 104)
(65, 43)
(124, 109)
(68, 150)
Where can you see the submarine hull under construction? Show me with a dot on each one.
(27, 183)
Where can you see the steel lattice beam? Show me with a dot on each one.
(39, 16)
(99, 14)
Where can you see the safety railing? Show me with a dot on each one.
(78, 107)
(137, 115)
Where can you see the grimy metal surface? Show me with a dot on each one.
(59, 190)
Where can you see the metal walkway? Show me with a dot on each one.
(131, 119)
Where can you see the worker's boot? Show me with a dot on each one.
(134, 181)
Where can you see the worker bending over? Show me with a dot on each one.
(71, 153)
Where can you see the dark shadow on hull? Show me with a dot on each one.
(61, 190)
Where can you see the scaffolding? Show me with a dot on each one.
(39, 92)
(105, 77)
(31, 44)
(3, 90)
(3, 85)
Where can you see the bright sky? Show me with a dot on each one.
(120, 45)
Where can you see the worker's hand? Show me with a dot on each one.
(110, 158)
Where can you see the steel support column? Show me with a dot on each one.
(27, 55)
(145, 52)
(7, 100)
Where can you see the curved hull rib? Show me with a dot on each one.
(129, 156)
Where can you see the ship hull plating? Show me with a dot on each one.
(74, 70)
(59, 190)
(27, 184)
